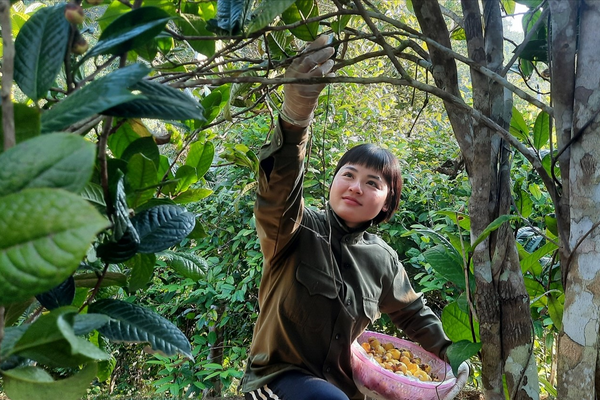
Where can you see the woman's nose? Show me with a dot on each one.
(355, 187)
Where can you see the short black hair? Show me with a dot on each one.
(382, 160)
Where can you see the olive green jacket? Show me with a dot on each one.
(322, 283)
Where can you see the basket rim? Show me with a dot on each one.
(359, 352)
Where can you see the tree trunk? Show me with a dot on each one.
(578, 343)
(501, 299)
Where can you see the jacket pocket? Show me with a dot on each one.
(309, 302)
(371, 308)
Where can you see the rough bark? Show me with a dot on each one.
(501, 298)
(578, 343)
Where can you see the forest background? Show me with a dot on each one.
(126, 202)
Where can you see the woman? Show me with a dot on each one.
(324, 277)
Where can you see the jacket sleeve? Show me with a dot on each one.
(408, 311)
(279, 204)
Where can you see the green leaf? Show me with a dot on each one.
(121, 250)
(28, 383)
(231, 15)
(59, 296)
(556, 305)
(129, 31)
(192, 196)
(457, 324)
(541, 130)
(27, 124)
(523, 202)
(40, 49)
(86, 323)
(460, 352)
(158, 101)
(266, 12)
(132, 323)
(58, 160)
(45, 234)
(141, 270)
(11, 337)
(495, 224)
(301, 10)
(458, 34)
(193, 25)
(162, 226)
(186, 176)
(123, 137)
(214, 103)
(200, 156)
(447, 262)
(551, 224)
(90, 280)
(186, 264)
(142, 177)
(532, 262)
(14, 311)
(51, 340)
(94, 193)
(146, 146)
(101, 94)
(518, 127)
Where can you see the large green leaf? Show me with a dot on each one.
(186, 264)
(132, 323)
(129, 31)
(51, 340)
(457, 324)
(461, 351)
(158, 101)
(58, 160)
(200, 156)
(28, 383)
(40, 50)
(162, 226)
(45, 234)
(446, 261)
(101, 94)
(266, 12)
(27, 124)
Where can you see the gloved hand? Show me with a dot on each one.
(300, 100)
(461, 380)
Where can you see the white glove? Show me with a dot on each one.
(461, 380)
(300, 100)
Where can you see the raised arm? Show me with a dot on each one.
(279, 205)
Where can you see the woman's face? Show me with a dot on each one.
(358, 194)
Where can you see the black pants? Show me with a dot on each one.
(295, 385)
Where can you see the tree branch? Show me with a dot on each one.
(8, 61)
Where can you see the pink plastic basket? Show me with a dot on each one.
(378, 383)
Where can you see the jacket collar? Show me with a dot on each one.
(340, 229)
